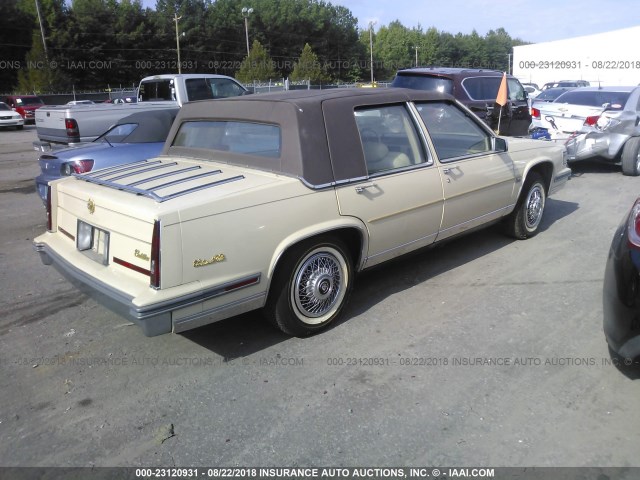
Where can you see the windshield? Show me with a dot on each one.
(4, 106)
(424, 82)
(29, 101)
(598, 98)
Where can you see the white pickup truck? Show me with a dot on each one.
(70, 124)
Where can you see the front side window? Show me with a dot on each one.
(453, 132)
(389, 138)
(516, 90)
(248, 138)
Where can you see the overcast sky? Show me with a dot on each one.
(530, 20)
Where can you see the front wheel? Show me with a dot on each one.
(311, 287)
(524, 221)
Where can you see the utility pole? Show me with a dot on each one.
(416, 49)
(245, 13)
(44, 42)
(176, 18)
(371, 24)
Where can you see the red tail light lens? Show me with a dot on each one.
(79, 166)
(591, 121)
(49, 214)
(633, 225)
(73, 132)
(154, 277)
(535, 113)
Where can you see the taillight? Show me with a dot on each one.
(73, 132)
(591, 121)
(633, 225)
(49, 213)
(154, 277)
(79, 166)
(535, 113)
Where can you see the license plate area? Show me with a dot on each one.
(93, 242)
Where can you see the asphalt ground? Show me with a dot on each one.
(485, 351)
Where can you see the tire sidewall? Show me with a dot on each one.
(287, 315)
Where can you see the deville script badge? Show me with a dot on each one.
(91, 206)
(200, 262)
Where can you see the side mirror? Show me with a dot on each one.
(499, 144)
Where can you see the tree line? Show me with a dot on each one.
(95, 44)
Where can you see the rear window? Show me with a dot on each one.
(156, 90)
(599, 98)
(256, 139)
(424, 82)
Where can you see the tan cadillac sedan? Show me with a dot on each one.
(276, 201)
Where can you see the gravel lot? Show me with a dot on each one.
(485, 351)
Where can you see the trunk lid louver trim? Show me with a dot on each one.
(115, 177)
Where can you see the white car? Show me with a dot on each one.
(10, 118)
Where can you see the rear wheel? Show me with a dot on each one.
(311, 287)
(631, 157)
(524, 221)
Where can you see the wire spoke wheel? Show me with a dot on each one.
(535, 207)
(319, 285)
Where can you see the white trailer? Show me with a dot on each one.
(610, 58)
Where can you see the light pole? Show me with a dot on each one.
(416, 49)
(371, 24)
(245, 13)
(176, 18)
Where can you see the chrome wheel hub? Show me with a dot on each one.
(318, 285)
(535, 206)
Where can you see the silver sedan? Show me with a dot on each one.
(594, 122)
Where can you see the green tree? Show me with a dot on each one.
(308, 67)
(17, 27)
(258, 65)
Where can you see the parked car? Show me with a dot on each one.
(276, 201)
(476, 89)
(566, 83)
(10, 118)
(532, 89)
(602, 122)
(134, 138)
(621, 290)
(550, 94)
(25, 105)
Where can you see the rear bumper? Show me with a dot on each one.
(119, 302)
(160, 318)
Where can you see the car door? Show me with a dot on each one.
(478, 181)
(400, 199)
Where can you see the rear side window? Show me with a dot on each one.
(227, 136)
(389, 138)
(210, 88)
(482, 88)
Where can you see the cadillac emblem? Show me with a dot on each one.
(91, 206)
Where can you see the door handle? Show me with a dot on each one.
(362, 188)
